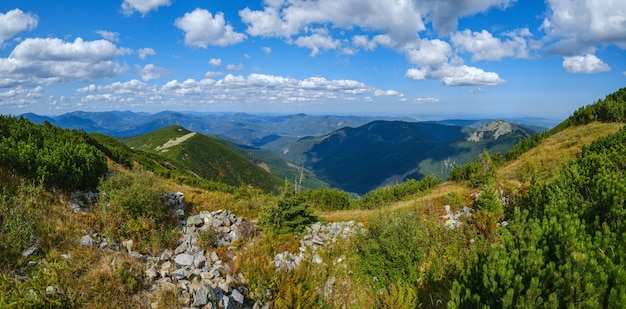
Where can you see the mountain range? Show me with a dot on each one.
(355, 154)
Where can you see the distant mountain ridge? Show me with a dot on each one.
(381, 153)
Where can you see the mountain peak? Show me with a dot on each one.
(497, 128)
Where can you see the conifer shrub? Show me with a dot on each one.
(62, 158)
(290, 214)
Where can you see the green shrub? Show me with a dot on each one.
(407, 250)
(290, 214)
(132, 206)
(62, 158)
(384, 196)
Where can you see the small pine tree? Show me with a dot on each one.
(290, 214)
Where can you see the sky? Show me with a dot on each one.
(423, 58)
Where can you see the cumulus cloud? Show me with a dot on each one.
(14, 22)
(484, 46)
(401, 19)
(142, 6)
(445, 13)
(316, 42)
(109, 36)
(144, 52)
(456, 75)
(425, 100)
(576, 27)
(235, 67)
(236, 89)
(39, 61)
(215, 62)
(430, 52)
(266, 49)
(363, 41)
(203, 29)
(151, 71)
(584, 64)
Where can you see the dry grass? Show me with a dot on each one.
(430, 203)
(545, 160)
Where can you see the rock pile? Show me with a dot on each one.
(200, 278)
(453, 219)
(316, 236)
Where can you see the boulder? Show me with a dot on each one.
(184, 259)
(87, 241)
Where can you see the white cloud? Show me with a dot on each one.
(400, 19)
(445, 13)
(144, 52)
(430, 52)
(576, 27)
(316, 42)
(37, 61)
(266, 49)
(236, 90)
(142, 6)
(456, 75)
(211, 74)
(584, 64)
(425, 100)
(109, 36)
(624, 73)
(387, 93)
(215, 62)
(235, 67)
(14, 22)
(362, 41)
(484, 46)
(202, 29)
(151, 71)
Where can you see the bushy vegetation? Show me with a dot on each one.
(290, 214)
(406, 250)
(565, 246)
(132, 207)
(384, 196)
(477, 173)
(61, 158)
(327, 199)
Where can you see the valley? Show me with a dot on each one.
(173, 218)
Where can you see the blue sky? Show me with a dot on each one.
(441, 58)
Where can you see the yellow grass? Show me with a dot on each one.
(545, 160)
(429, 203)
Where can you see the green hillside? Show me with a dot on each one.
(204, 156)
(382, 153)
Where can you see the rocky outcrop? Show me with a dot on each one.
(453, 219)
(315, 237)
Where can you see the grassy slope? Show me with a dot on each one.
(543, 161)
(205, 156)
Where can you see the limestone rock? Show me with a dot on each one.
(87, 241)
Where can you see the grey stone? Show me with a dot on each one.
(128, 245)
(151, 274)
(87, 241)
(180, 273)
(237, 296)
(201, 297)
(317, 259)
(32, 248)
(227, 303)
(166, 255)
(199, 261)
(184, 259)
(195, 221)
(225, 287)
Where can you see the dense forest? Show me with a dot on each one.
(474, 241)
